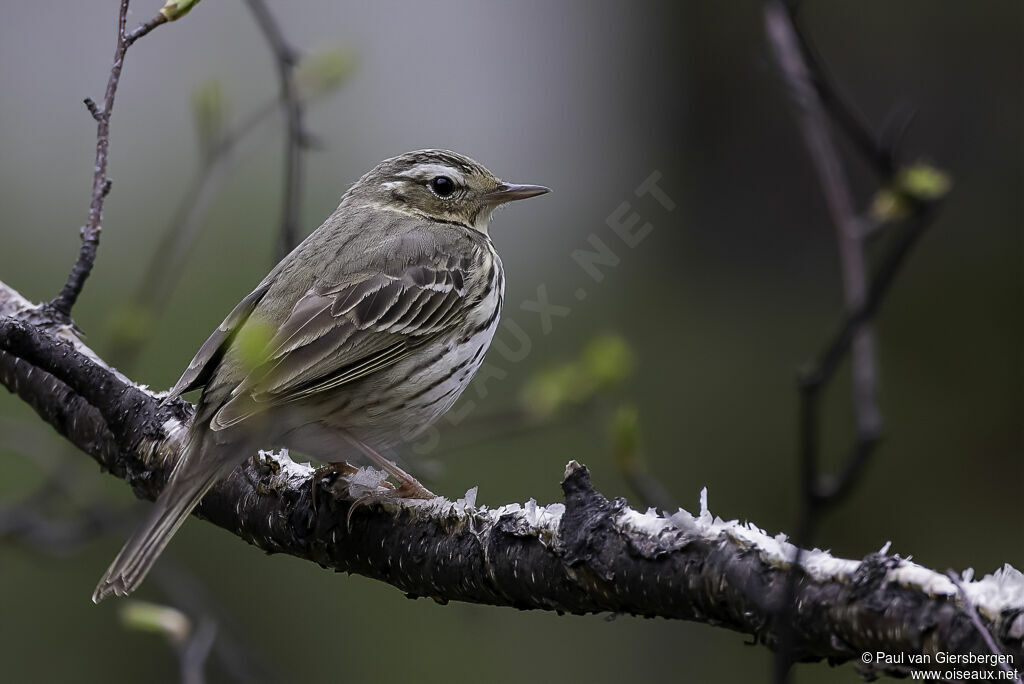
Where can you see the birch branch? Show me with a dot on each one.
(588, 554)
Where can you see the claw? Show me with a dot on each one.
(337, 469)
(409, 489)
(409, 486)
(412, 489)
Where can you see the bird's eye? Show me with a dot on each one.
(443, 186)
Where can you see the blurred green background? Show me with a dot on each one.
(720, 304)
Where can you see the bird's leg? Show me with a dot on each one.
(408, 486)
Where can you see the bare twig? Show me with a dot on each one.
(629, 457)
(880, 154)
(650, 491)
(286, 59)
(61, 305)
(189, 594)
(167, 262)
(56, 518)
(813, 90)
(181, 232)
(986, 636)
(29, 522)
(192, 654)
(825, 157)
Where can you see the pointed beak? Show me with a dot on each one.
(506, 192)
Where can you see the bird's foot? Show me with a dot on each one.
(408, 488)
(333, 470)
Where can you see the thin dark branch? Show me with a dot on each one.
(825, 492)
(63, 302)
(986, 636)
(629, 457)
(880, 154)
(193, 653)
(186, 592)
(27, 523)
(888, 268)
(813, 90)
(839, 199)
(33, 523)
(286, 58)
(167, 262)
(94, 109)
(142, 29)
(649, 490)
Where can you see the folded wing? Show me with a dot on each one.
(338, 334)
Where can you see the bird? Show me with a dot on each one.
(360, 338)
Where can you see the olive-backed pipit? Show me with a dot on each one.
(364, 335)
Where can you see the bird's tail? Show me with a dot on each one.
(190, 480)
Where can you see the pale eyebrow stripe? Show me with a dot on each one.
(425, 171)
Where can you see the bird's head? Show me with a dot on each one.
(439, 185)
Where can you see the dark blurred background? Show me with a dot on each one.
(720, 304)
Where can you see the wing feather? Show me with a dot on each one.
(339, 334)
(204, 363)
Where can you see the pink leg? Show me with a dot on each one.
(408, 486)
